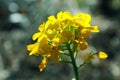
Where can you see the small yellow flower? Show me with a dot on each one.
(102, 55)
(33, 48)
(36, 35)
(82, 19)
(66, 36)
(56, 41)
(52, 23)
(55, 55)
(42, 28)
(51, 34)
(64, 16)
(40, 34)
(44, 47)
(94, 29)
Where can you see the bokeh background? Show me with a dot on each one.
(19, 19)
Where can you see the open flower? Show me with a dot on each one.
(33, 48)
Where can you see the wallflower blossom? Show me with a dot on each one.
(58, 30)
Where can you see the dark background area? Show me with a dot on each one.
(19, 19)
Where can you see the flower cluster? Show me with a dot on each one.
(56, 31)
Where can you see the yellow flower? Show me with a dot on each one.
(51, 34)
(82, 19)
(41, 33)
(94, 29)
(44, 46)
(102, 55)
(65, 19)
(55, 55)
(52, 23)
(56, 41)
(42, 28)
(66, 36)
(85, 32)
(56, 31)
(63, 16)
(33, 48)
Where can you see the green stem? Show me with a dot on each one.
(65, 61)
(73, 61)
(81, 65)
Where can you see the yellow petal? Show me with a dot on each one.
(94, 29)
(34, 51)
(51, 18)
(56, 41)
(102, 55)
(62, 16)
(36, 35)
(33, 48)
(84, 17)
(41, 27)
(30, 47)
(59, 15)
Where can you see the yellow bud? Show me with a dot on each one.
(102, 55)
(43, 64)
(83, 45)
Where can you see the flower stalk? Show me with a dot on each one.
(75, 68)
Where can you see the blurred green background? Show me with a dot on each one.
(19, 19)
